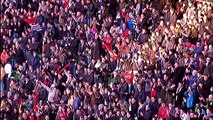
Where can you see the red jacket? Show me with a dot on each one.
(126, 33)
(126, 16)
(46, 82)
(31, 117)
(38, 117)
(163, 112)
(35, 108)
(153, 93)
(62, 114)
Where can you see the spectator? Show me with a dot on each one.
(106, 59)
(163, 112)
(190, 98)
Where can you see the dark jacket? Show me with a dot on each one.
(81, 48)
(205, 90)
(19, 57)
(140, 95)
(147, 115)
(96, 52)
(154, 107)
(35, 62)
(28, 87)
(142, 38)
(134, 108)
(198, 50)
(34, 6)
(42, 94)
(47, 51)
(74, 43)
(40, 19)
(179, 96)
(112, 65)
(90, 78)
(178, 75)
(14, 116)
(34, 46)
(123, 88)
(90, 10)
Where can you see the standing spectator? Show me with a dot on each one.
(106, 59)
(190, 98)
(163, 112)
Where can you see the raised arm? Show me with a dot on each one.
(46, 87)
(66, 73)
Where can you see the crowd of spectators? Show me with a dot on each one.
(106, 60)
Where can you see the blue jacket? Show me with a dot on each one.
(76, 103)
(198, 50)
(192, 80)
(190, 99)
(40, 19)
(194, 65)
(131, 25)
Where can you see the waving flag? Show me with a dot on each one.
(111, 52)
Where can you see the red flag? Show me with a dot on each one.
(188, 44)
(66, 66)
(30, 20)
(111, 52)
